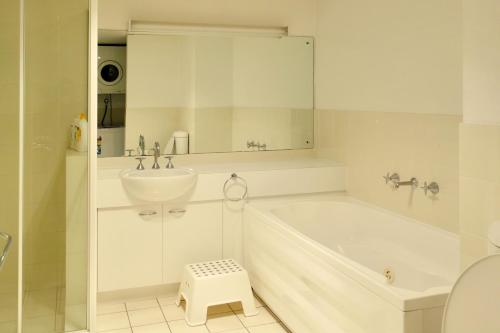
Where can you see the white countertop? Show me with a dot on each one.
(228, 167)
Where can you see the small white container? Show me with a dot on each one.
(181, 142)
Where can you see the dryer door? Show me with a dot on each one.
(110, 73)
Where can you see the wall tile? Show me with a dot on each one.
(415, 145)
(479, 187)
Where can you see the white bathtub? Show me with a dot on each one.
(319, 263)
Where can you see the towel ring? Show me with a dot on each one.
(235, 178)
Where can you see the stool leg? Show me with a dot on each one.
(248, 304)
(178, 299)
(196, 313)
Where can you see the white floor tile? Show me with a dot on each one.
(237, 305)
(142, 304)
(123, 330)
(180, 326)
(156, 328)
(110, 307)
(167, 299)
(264, 317)
(216, 309)
(112, 321)
(269, 328)
(258, 301)
(146, 317)
(223, 322)
(173, 312)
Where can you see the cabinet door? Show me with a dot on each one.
(130, 248)
(192, 236)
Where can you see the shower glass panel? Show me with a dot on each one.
(9, 166)
(55, 177)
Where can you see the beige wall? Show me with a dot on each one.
(481, 50)
(479, 187)
(388, 79)
(298, 15)
(9, 150)
(389, 56)
(480, 133)
(56, 92)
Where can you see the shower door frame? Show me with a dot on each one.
(92, 167)
(92, 200)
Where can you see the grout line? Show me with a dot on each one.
(128, 318)
(163, 314)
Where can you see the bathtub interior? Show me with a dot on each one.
(423, 260)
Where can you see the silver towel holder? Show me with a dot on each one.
(234, 179)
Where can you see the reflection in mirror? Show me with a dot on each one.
(206, 93)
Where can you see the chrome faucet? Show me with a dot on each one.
(142, 146)
(156, 150)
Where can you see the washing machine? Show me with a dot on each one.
(111, 70)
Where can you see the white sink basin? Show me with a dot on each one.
(158, 185)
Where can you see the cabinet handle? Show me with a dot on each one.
(147, 213)
(177, 211)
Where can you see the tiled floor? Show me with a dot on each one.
(161, 315)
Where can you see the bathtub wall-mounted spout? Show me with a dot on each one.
(412, 182)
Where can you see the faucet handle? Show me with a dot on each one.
(140, 166)
(433, 187)
(394, 178)
(129, 152)
(170, 165)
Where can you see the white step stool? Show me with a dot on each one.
(214, 283)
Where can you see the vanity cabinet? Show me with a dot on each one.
(192, 236)
(150, 245)
(129, 247)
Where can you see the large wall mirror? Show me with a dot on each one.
(204, 93)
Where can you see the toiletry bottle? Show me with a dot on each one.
(83, 140)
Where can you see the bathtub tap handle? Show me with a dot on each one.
(394, 178)
(433, 187)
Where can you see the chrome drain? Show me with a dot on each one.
(389, 275)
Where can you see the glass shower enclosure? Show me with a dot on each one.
(44, 196)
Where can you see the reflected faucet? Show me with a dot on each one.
(156, 150)
(142, 146)
(253, 144)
